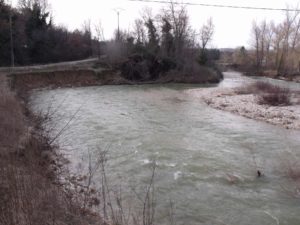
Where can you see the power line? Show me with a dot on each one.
(217, 5)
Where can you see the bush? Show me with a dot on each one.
(265, 87)
(145, 67)
(272, 95)
(268, 94)
(274, 99)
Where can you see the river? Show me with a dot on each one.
(206, 159)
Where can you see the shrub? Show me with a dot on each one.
(268, 94)
(274, 99)
(272, 95)
(145, 67)
(265, 87)
(258, 87)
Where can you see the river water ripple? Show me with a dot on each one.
(206, 159)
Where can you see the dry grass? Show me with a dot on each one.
(29, 193)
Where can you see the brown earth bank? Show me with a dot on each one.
(30, 190)
(24, 81)
(93, 72)
(65, 78)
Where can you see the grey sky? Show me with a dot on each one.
(232, 26)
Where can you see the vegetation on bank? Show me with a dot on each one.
(29, 184)
(165, 45)
(157, 45)
(274, 50)
(91, 76)
(268, 94)
(28, 35)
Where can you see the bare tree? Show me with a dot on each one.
(139, 31)
(278, 40)
(99, 36)
(296, 45)
(263, 29)
(257, 33)
(277, 46)
(180, 22)
(269, 38)
(287, 27)
(293, 56)
(206, 33)
(175, 31)
(87, 31)
(42, 4)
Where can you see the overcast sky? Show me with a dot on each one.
(232, 26)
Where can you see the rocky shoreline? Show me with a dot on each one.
(246, 105)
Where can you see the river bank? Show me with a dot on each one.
(252, 72)
(94, 73)
(90, 77)
(28, 156)
(203, 155)
(246, 105)
(274, 75)
(30, 190)
(135, 107)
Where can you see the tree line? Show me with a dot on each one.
(163, 41)
(274, 47)
(28, 35)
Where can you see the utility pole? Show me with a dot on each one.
(118, 11)
(12, 54)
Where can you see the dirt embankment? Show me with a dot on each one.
(92, 73)
(30, 191)
(65, 78)
(247, 105)
(91, 77)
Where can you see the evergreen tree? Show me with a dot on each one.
(167, 42)
(4, 34)
(153, 38)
